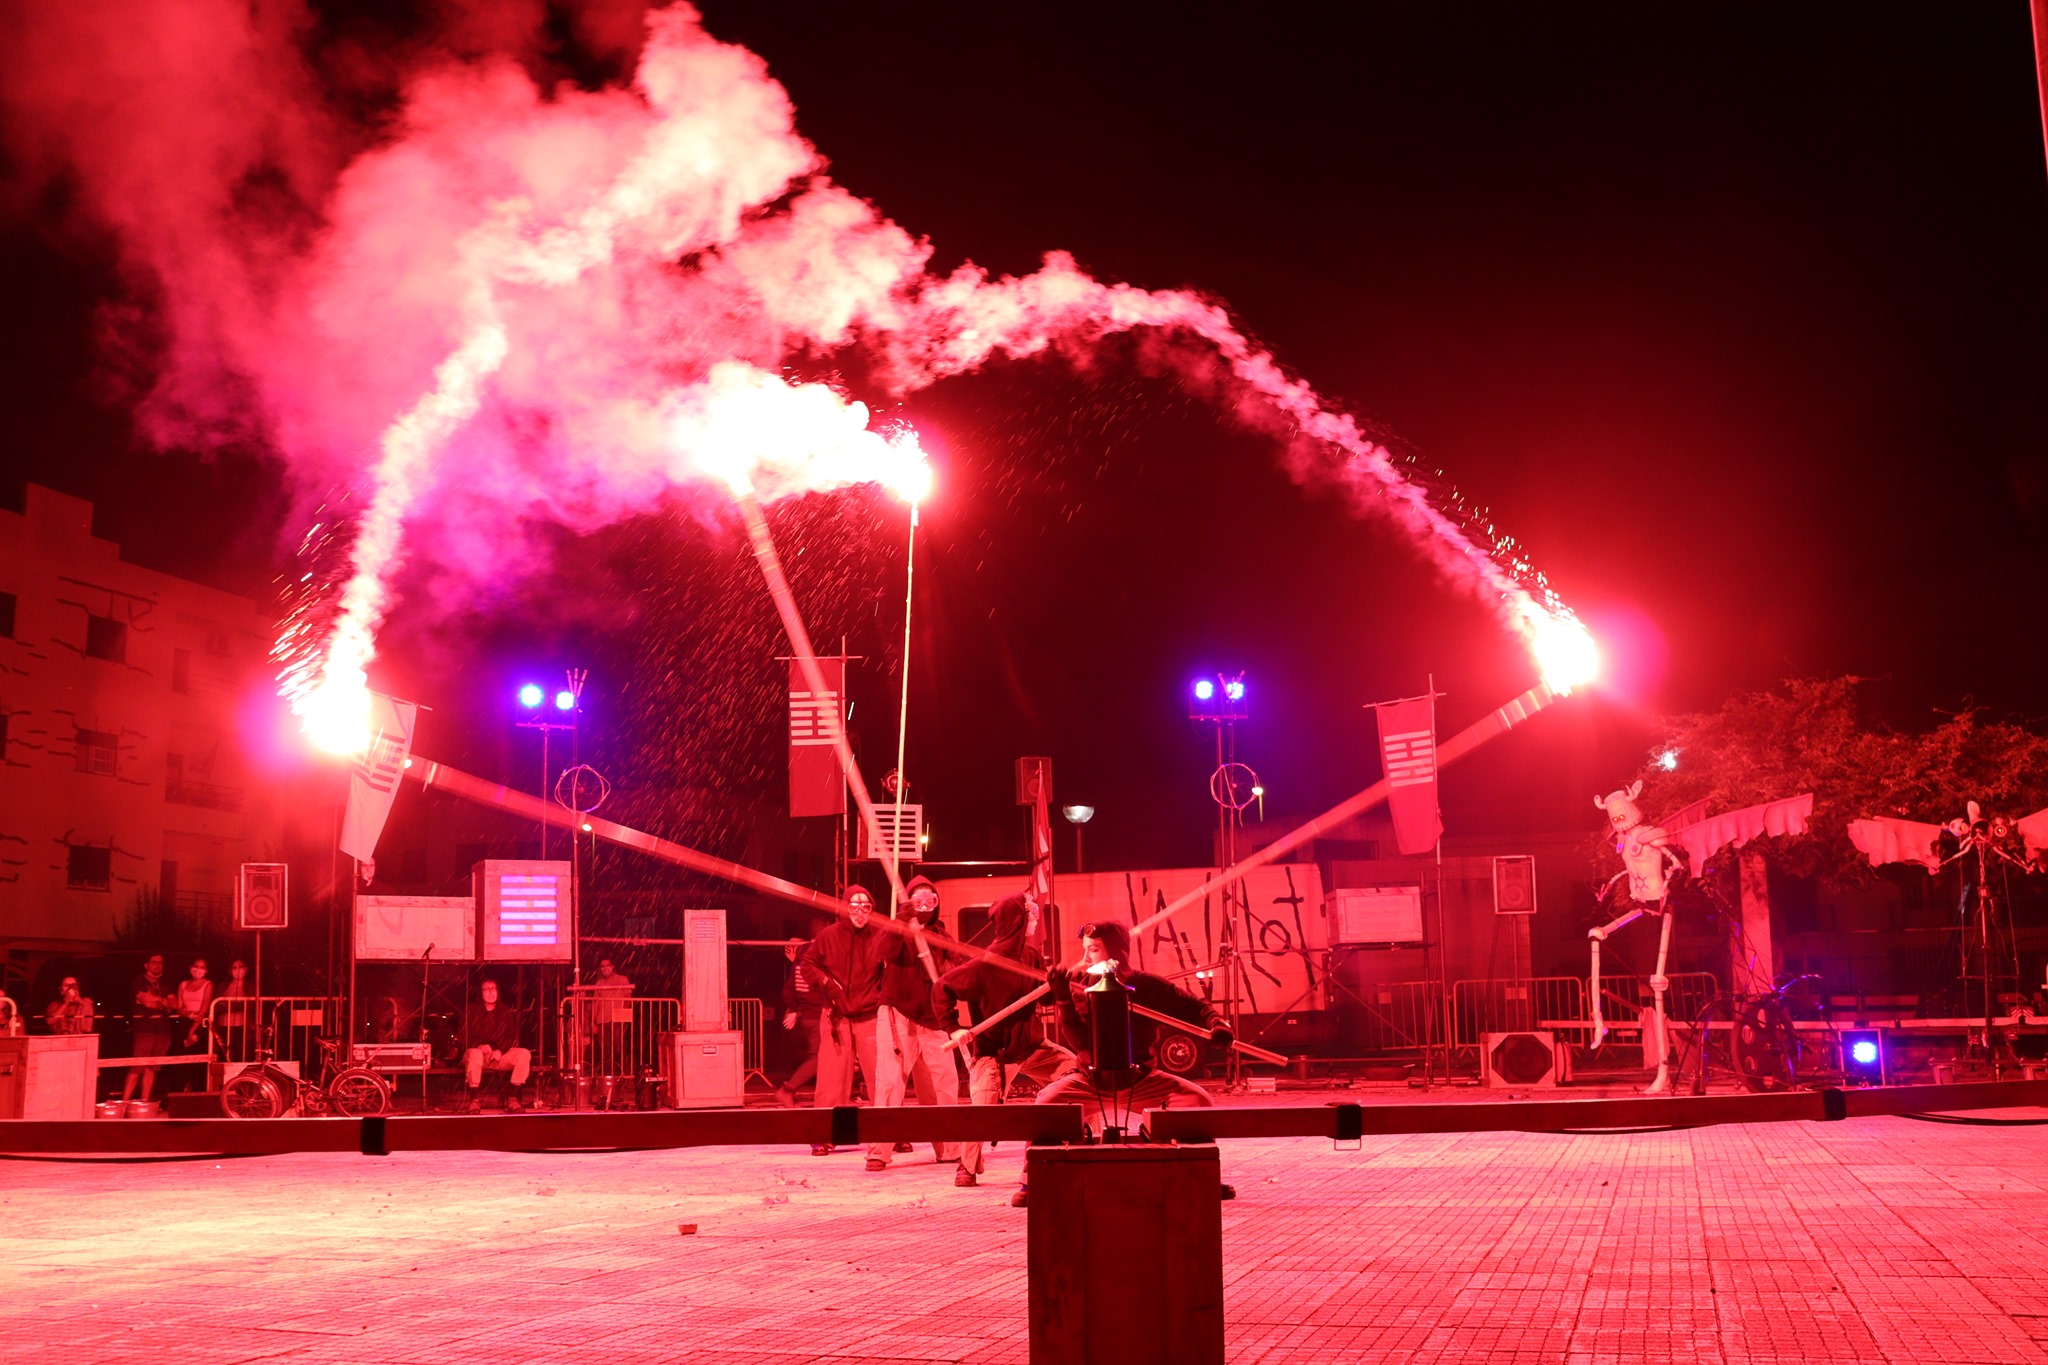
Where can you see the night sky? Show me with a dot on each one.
(1736, 317)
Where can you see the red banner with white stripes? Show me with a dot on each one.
(816, 786)
(1408, 754)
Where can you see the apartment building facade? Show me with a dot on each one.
(132, 704)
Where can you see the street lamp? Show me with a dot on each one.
(1078, 816)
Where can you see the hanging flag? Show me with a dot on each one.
(373, 783)
(1408, 754)
(816, 785)
(1034, 789)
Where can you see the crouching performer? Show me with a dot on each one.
(1113, 1079)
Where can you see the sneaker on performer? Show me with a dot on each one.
(876, 1163)
(964, 1179)
(1021, 1198)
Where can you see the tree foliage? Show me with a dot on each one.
(1808, 735)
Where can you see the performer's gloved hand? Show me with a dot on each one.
(1056, 979)
(1221, 1036)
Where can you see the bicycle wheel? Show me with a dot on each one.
(1765, 1046)
(359, 1092)
(253, 1095)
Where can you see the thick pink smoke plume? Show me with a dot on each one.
(520, 297)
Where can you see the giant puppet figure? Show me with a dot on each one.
(1647, 860)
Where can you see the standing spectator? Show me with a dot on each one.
(845, 963)
(1012, 1045)
(493, 1033)
(910, 1046)
(235, 1012)
(70, 1012)
(156, 1012)
(801, 1005)
(195, 1002)
(612, 1042)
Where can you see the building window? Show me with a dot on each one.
(89, 868)
(106, 638)
(98, 751)
(6, 616)
(181, 671)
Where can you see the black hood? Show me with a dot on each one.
(1007, 919)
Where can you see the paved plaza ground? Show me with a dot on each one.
(1868, 1240)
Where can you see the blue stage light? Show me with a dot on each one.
(565, 700)
(1205, 689)
(1234, 689)
(531, 694)
(1863, 1056)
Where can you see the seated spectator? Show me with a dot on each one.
(70, 1012)
(492, 1030)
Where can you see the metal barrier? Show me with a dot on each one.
(604, 1034)
(240, 1025)
(1626, 996)
(1394, 1016)
(1498, 1005)
(745, 1015)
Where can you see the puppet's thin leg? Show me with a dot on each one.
(1597, 937)
(1659, 983)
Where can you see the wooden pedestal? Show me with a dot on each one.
(1126, 1255)
(49, 1077)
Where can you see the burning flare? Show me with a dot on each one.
(507, 302)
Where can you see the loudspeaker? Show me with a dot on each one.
(261, 901)
(1034, 781)
(1514, 885)
(1526, 1061)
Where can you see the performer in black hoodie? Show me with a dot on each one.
(1110, 943)
(910, 1045)
(845, 963)
(1013, 1045)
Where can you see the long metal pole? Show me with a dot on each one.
(903, 710)
(1494, 723)
(807, 660)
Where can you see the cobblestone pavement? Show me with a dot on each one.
(1871, 1240)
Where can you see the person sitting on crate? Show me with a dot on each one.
(493, 1034)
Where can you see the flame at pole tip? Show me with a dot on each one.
(1566, 653)
(764, 437)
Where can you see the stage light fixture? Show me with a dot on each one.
(531, 695)
(565, 700)
(1219, 697)
(1863, 1056)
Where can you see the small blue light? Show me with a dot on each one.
(531, 694)
(1204, 690)
(1234, 689)
(565, 700)
(1863, 1052)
